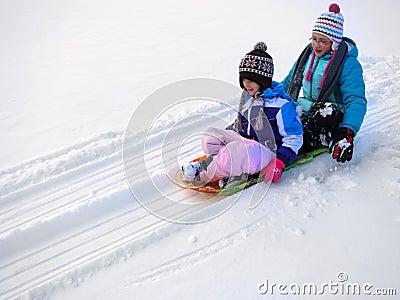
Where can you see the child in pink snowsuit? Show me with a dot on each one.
(248, 146)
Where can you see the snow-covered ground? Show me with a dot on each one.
(73, 73)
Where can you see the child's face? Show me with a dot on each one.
(251, 87)
(321, 44)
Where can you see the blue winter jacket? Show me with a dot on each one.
(287, 131)
(348, 93)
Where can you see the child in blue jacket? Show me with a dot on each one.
(335, 122)
(265, 137)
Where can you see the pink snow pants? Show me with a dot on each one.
(235, 155)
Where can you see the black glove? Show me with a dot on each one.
(342, 145)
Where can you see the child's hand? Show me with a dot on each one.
(342, 146)
(273, 172)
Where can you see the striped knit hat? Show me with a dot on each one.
(330, 24)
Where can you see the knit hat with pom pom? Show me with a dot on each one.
(330, 24)
(257, 66)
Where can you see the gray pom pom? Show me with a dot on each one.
(260, 46)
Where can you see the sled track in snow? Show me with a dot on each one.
(40, 204)
(380, 118)
(116, 227)
(92, 246)
(118, 233)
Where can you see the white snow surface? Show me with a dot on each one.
(72, 74)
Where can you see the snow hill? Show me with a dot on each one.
(73, 72)
(68, 220)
